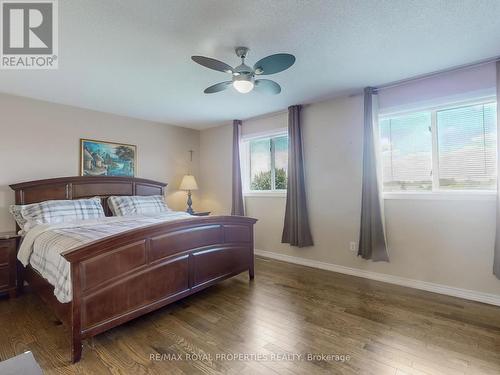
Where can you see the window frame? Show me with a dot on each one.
(436, 192)
(246, 165)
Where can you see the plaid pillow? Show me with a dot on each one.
(137, 205)
(62, 211)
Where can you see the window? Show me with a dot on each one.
(265, 163)
(407, 152)
(467, 147)
(444, 149)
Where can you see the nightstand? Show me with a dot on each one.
(205, 213)
(8, 263)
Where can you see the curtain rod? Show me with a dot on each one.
(438, 72)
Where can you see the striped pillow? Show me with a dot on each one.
(137, 205)
(61, 211)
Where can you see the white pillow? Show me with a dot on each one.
(61, 211)
(137, 205)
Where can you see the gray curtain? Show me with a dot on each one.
(372, 240)
(496, 261)
(237, 207)
(296, 229)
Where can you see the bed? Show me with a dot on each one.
(123, 276)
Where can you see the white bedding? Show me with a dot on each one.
(42, 246)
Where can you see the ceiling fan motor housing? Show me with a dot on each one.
(242, 70)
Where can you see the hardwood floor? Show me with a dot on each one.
(287, 310)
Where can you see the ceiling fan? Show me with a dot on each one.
(243, 76)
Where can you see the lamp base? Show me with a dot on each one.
(189, 203)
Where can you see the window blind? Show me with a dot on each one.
(467, 147)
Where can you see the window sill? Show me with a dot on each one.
(444, 195)
(265, 194)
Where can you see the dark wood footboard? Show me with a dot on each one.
(125, 276)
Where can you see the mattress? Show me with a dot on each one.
(43, 245)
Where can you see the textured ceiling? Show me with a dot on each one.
(132, 57)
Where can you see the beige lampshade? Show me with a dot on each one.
(188, 183)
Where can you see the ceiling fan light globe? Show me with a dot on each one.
(243, 86)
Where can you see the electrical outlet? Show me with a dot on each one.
(352, 246)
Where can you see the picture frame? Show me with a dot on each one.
(103, 158)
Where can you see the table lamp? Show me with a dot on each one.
(189, 183)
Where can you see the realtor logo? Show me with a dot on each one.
(29, 37)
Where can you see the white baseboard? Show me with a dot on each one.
(472, 295)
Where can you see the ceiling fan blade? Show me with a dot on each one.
(218, 87)
(274, 64)
(214, 64)
(267, 86)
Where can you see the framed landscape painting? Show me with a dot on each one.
(100, 158)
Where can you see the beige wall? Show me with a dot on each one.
(215, 176)
(448, 242)
(442, 241)
(41, 140)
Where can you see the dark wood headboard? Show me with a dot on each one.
(85, 187)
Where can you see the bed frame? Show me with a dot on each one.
(124, 276)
